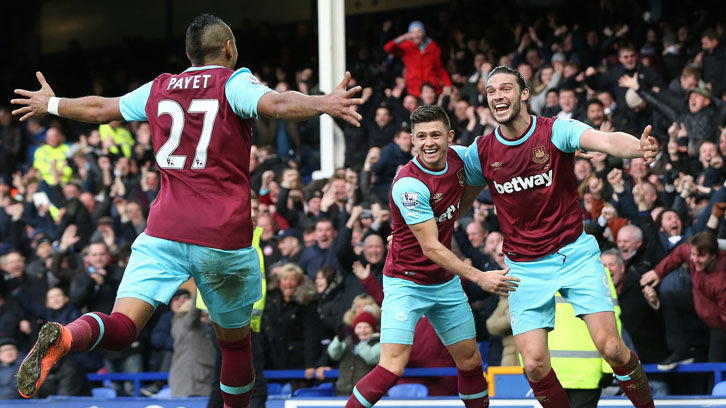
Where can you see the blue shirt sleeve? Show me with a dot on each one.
(566, 134)
(133, 104)
(243, 92)
(472, 165)
(411, 196)
(460, 150)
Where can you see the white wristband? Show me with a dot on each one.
(53, 103)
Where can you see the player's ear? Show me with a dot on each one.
(525, 95)
(451, 136)
(228, 48)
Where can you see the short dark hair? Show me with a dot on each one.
(555, 90)
(568, 88)
(428, 84)
(690, 70)
(659, 219)
(194, 42)
(627, 47)
(710, 33)
(506, 69)
(593, 101)
(705, 243)
(328, 273)
(430, 113)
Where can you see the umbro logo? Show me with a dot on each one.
(496, 165)
(438, 197)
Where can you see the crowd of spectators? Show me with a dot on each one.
(74, 197)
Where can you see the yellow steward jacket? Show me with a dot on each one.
(121, 139)
(259, 306)
(43, 159)
(575, 359)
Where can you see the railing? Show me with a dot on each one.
(718, 370)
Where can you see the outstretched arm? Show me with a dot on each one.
(90, 109)
(621, 144)
(427, 234)
(293, 105)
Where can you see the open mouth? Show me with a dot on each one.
(501, 107)
(430, 151)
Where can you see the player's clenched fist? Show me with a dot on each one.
(498, 282)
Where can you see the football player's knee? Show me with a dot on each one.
(535, 363)
(611, 348)
(471, 360)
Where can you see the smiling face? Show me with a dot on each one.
(373, 249)
(616, 268)
(671, 224)
(505, 97)
(701, 260)
(629, 240)
(324, 233)
(320, 282)
(363, 330)
(595, 114)
(432, 141)
(568, 100)
(289, 282)
(55, 299)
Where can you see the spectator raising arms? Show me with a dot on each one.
(422, 58)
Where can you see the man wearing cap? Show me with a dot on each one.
(422, 58)
(289, 242)
(9, 364)
(700, 116)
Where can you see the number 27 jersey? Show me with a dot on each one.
(201, 123)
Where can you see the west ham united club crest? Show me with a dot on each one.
(539, 155)
(460, 175)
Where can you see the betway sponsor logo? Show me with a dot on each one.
(448, 214)
(524, 183)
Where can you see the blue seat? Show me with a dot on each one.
(314, 392)
(103, 392)
(164, 393)
(325, 386)
(274, 388)
(286, 389)
(408, 391)
(719, 389)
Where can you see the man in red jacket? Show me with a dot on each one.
(422, 58)
(708, 272)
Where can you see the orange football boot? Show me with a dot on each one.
(54, 342)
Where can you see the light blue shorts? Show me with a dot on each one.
(575, 271)
(445, 305)
(230, 281)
